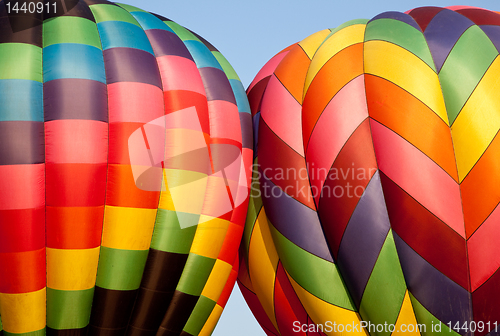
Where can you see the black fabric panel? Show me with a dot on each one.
(161, 17)
(76, 8)
(72, 98)
(111, 309)
(66, 332)
(134, 331)
(150, 308)
(20, 21)
(163, 270)
(178, 313)
(21, 142)
(99, 2)
(96, 331)
(30, 36)
(131, 65)
(205, 42)
(217, 85)
(161, 276)
(183, 333)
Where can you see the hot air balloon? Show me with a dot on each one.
(376, 180)
(125, 154)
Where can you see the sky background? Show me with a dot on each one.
(248, 33)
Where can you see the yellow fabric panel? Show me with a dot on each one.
(398, 65)
(212, 321)
(311, 43)
(209, 237)
(23, 313)
(186, 191)
(478, 122)
(263, 262)
(72, 269)
(128, 228)
(322, 312)
(217, 280)
(407, 318)
(335, 43)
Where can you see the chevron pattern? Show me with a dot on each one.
(376, 179)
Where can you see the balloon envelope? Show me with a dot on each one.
(124, 148)
(376, 180)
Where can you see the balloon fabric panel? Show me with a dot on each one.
(403, 109)
(90, 246)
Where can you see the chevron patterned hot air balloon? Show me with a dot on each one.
(377, 179)
(125, 146)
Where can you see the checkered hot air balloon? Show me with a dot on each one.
(125, 146)
(377, 179)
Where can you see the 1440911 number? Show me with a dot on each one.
(473, 326)
(31, 7)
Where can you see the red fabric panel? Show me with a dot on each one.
(119, 134)
(122, 190)
(288, 308)
(74, 227)
(335, 212)
(435, 241)
(178, 100)
(22, 230)
(424, 15)
(22, 186)
(22, 272)
(257, 310)
(75, 184)
(76, 141)
(231, 242)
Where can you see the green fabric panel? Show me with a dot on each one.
(104, 12)
(254, 207)
(403, 35)
(120, 269)
(182, 32)
(199, 316)
(226, 66)
(386, 288)
(21, 61)
(464, 68)
(425, 317)
(129, 8)
(69, 309)
(347, 24)
(195, 274)
(40, 332)
(70, 29)
(1, 326)
(316, 275)
(168, 235)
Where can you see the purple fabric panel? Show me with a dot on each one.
(493, 33)
(131, 65)
(294, 220)
(21, 142)
(217, 85)
(246, 129)
(442, 297)
(75, 99)
(443, 32)
(256, 122)
(167, 43)
(398, 16)
(363, 239)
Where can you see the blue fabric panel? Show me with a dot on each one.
(21, 100)
(72, 60)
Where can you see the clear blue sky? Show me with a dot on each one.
(250, 32)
